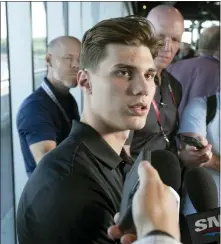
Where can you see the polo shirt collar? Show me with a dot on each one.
(97, 145)
(61, 98)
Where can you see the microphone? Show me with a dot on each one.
(168, 167)
(204, 226)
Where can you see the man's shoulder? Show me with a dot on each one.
(183, 63)
(69, 158)
(172, 79)
(62, 173)
(175, 84)
(36, 101)
(65, 190)
(66, 162)
(181, 66)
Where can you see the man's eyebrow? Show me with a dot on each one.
(127, 66)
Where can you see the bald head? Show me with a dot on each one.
(209, 41)
(61, 42)
(63, 60)
(164, 12)
(168, 23)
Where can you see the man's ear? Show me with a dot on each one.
(83, 80)
(48, 60)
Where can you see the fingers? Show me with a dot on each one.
(203, 140)
(202, 152)
(114, 232)
(128, 239)
(116, 218)
(190, 148)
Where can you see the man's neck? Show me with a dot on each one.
(159, 74)
(58, 86)
(115, 139)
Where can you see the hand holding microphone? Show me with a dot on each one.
(155, 206)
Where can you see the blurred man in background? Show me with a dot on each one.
(44, 118)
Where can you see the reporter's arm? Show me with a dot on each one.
(193, 123)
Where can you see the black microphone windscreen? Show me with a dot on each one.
(202, 189)
(168, 166)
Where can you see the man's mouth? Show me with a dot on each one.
(139, 109)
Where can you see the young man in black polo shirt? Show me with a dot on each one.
(44, 118)
(75, 191)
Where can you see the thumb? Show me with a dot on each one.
(202, 140)
(147, 173)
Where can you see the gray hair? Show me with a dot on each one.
(209, 41)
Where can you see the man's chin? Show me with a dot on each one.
(161, 65)
(71, 84)
(137, 124)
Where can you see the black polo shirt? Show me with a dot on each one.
(40, 119)
(151, 135)
(74, 193)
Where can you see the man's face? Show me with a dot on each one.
(65, 63)
(170, 30)
(123, 87)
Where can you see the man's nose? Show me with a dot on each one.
(167, 44)
(74, 63)
(142, 86)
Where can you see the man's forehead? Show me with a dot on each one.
(134, 56)
(127, 51)
(69, 47)
(66, 44)
(174, 30)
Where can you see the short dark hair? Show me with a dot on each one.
(130, 30)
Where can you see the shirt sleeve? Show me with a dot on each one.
(35, 123)
(157, 239)
(194, 117)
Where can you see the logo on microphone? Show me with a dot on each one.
(209, 226)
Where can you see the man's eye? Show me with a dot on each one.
(124, 73)
(175, 40)
(150, 76)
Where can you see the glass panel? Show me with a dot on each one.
(6, 164)
(187, 23)
(195, 35)
(39, 38)
(186, 37)
(4, 56)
